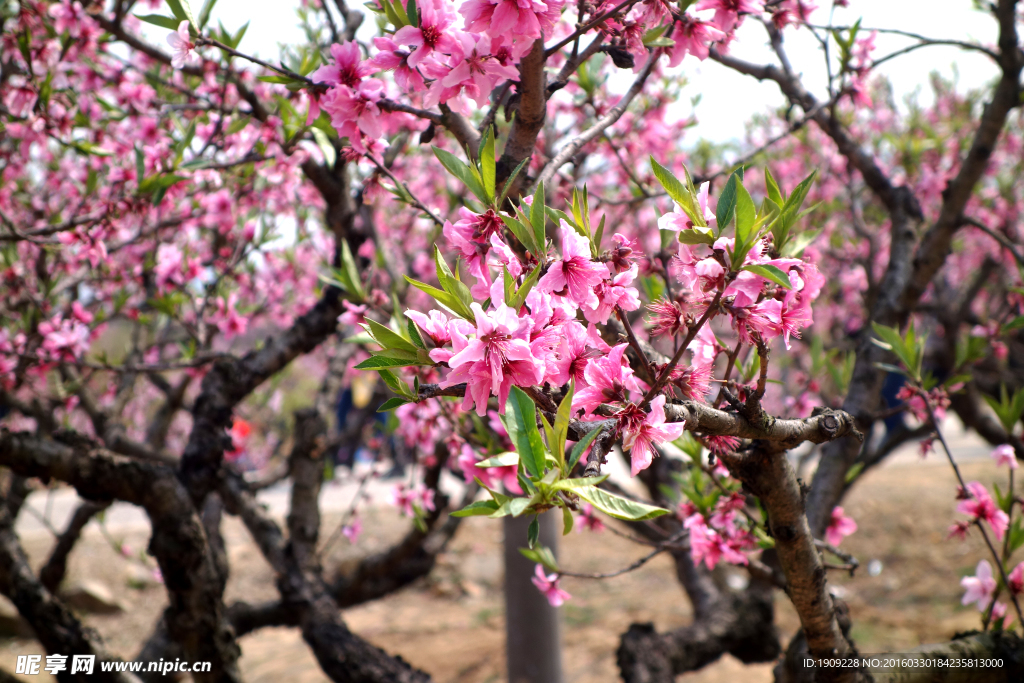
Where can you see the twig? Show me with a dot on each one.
(661, 547)
(963, 487)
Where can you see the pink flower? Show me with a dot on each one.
(503, 19)
(693, 381)
(978, 589)
(727, 11)
(669, 317)
(354, 111)
(1005, 455)
(392, 57)
(548, 585)
(1015, 579)
(959, 530)
(575, 273)
(478, 71)
(494, 360)
(612, 293)
(184, 48)
(588, 520)
(640, 436)
(411, 501)
(436, 325)
(64, 339)
(347, 69)
(352, 530)
(231, 323)
(839, 527)
(353, 315)
(609, 378)
(576, 345)
(708, 546)
(431, 35)
(979, 504)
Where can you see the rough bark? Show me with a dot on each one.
(57, 628)
(529, 118)
(767, 473)
(53, 571)
(342, 655)
(740, 624)
(195, 617)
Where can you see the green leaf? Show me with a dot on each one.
(617, 506)
(774, 193)
(486, 154)
(522, 233)
(394, 382)
(542, 556)
(508, 183)
(528, 442)
(561, 427)
(506, 459)
(572, 484)
(794, 248)
(567, 521)
(746, 214)
(580, 448)
(237, 38)
(348, 265)
(770, 272)
(387, 337)
(379, 362)
(477, 509)
(159, 20)
(513, 507)
(204, 14)
(1014, 324)
(414, 334)
(413, 14)
(538, 217)
(891, 340)
(517, 300)
(676, 190)
(696, 236)
(182, 11)
(392, 403)
(533, 532)
(446, 299)
(726, 207)
(460, 170)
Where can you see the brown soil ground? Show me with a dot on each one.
(452, 625)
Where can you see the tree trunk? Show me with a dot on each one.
(533, 627)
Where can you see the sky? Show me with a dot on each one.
(729, 99)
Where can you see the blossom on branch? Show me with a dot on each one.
(641, 434)
(978, 589)
(184, 48)
(548, 585)
(840, 526)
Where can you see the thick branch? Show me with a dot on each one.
(195, 614)
(532, 97)
(766, 471)
(58, 629)
(53, 571)
(342, 655)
